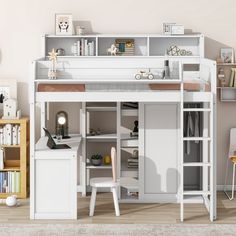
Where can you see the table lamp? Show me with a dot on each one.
(62, 124)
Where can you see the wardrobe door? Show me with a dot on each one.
(159, 130)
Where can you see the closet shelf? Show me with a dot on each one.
(197, 139)
(196, 164)
(197, 109)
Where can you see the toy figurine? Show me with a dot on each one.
(135, 130)
(142, 74)
(113, 50)
(52, 73)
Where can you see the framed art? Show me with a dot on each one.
(63, 24)
(227, 55)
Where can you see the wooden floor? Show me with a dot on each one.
(130, 213)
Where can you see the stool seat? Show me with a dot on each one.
(104, 182)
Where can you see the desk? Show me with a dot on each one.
(56, 180)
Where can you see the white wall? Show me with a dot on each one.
(22, 23)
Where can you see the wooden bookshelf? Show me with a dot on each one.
(22, 163)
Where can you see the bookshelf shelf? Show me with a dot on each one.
(10, 146)
(16, 160)
(151, 45)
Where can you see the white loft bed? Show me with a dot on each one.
(111, 79)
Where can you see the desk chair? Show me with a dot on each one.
(103, 183)
(231, 158)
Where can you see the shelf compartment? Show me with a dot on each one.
(158, 46)
(66, 43)
(228, 94)
(129, 112)
(140, 45)
(131, 143)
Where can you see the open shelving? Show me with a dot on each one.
(144, 45)
(17, 157)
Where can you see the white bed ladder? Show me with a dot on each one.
(208, 191)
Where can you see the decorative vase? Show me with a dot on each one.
(96, 162)
(107, 160)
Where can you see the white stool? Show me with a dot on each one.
(103, 182)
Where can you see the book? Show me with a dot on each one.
(234, 72)
(1, 135)
(232, 75)
(17, 182)
(8, 134)
(18, 135)
(1, 158)
(85, 47)
(79, 48)
(14, 135)
(82, 47)
(91, 48)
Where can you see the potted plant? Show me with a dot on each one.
(96, 159)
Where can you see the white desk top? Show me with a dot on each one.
(42, 148)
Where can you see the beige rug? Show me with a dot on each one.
(117, 229)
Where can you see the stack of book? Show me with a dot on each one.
(10, 134)
(10, 182)
(85, 47)
(132, 163)
(232, 81)
(125, 46)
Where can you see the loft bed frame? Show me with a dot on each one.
(111, 79)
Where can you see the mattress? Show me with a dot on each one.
(61, 88)
(189, 85)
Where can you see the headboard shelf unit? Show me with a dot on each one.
(144, 44)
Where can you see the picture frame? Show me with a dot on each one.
(125, 47)
(63, 24)
(227, 55)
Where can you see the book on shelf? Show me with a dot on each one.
(232, 80)
(10, 134)
(85, 47)
(1, 158)
(10, 182)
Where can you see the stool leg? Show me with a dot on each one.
(92, 201)
(233, 183)
(115, 198)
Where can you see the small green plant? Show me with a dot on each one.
(96, 157)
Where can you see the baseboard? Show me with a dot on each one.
(227, 187)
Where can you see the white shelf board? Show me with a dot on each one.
(196, 192)
(129, 183)
(101, 108)
(102, 137)
(193, 199)
(98, 167)
(190, 164)
(193, 35)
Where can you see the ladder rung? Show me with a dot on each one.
(196, 164)
(196, 139)
(198, 192)
(197, 109)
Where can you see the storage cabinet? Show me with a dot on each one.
(55, 189)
